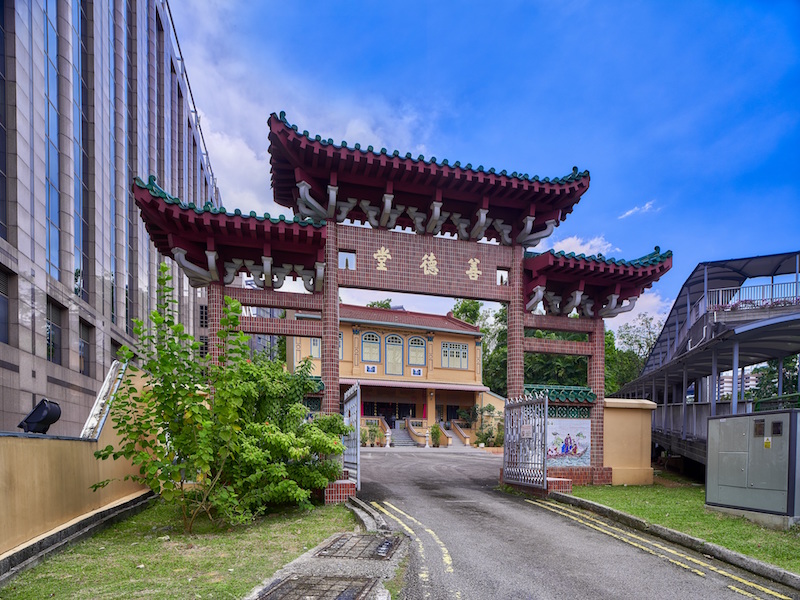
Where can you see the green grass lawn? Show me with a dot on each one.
(682, 508)
(136, 559)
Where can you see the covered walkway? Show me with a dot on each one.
(718, 324)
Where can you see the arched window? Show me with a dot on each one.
(394, 355)
(370, 347)
(416, 351)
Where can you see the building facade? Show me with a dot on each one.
(94, 94)
(408, 364)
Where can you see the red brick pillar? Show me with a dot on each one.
(516, 306)
(216, 295)
(330, 322)
(597, 381)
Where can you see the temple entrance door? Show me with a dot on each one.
(525, 455)
(351, 441)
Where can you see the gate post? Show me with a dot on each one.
(597, 382)
(330, 322)
(216, 300)
(515, 366)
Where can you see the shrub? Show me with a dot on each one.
(225, 439)
(500, 436)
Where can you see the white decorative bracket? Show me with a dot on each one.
(387, 209)
(503, 230)
(481, 225)
(617, 309)
(307, 206)
(552, 303)
(418, 218)
(233, 267)
(307, 275)
(437, 218)
(395, 213)
(528, 239)
(280, 275)
(573, 302)
(371, 212)
(332, 193)
(587, 307)
(197, 276)
(345, 208)
(538, 294)
(461, 225)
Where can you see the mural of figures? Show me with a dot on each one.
(568, 442)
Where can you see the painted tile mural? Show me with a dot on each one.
(568, 442)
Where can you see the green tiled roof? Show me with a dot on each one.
(158, 192)
(574, 176)
(653, 258)
(563, 393)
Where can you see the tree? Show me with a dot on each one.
(468, 310)
(622, 366)
(387, 303)
(639, 336)
(226, 439)
(767, 385)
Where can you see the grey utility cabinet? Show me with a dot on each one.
(752, 462)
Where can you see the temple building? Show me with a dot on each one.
(408, 364)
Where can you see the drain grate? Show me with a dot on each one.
(305, 587)
(352, 545)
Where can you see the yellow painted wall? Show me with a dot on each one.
(351, 364)
(45, 482)
(626, 441)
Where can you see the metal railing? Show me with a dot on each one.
(697, 414)
(754, 296)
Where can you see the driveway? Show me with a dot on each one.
(472, 541)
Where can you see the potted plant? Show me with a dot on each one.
(436, 435)
(380, 437)
(364, 436)
(373, 435)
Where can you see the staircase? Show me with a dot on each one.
(400, 437)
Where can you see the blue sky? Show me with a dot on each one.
(686, 114)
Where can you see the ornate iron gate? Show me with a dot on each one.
(351, 441)
(525, 455)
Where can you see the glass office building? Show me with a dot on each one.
(92, 94)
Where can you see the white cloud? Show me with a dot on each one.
(650, 302)
(578, 245)
(235, 105)
(645, 208)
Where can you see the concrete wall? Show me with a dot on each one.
(626, 447)
(45, 483)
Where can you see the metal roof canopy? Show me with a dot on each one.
(718, 274)
(758, 342)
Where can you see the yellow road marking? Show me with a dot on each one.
(448, 561)
(423, 573)
(617, 537)
(743, 592)
(676, 553)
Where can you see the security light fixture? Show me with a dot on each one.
(41, 417)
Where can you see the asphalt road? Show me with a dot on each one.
(472, 541)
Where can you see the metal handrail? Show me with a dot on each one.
(754, 296)
(778, 402)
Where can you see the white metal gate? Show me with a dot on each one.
(525, 454)
(351, 441)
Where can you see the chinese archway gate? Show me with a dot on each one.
(467, 233)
